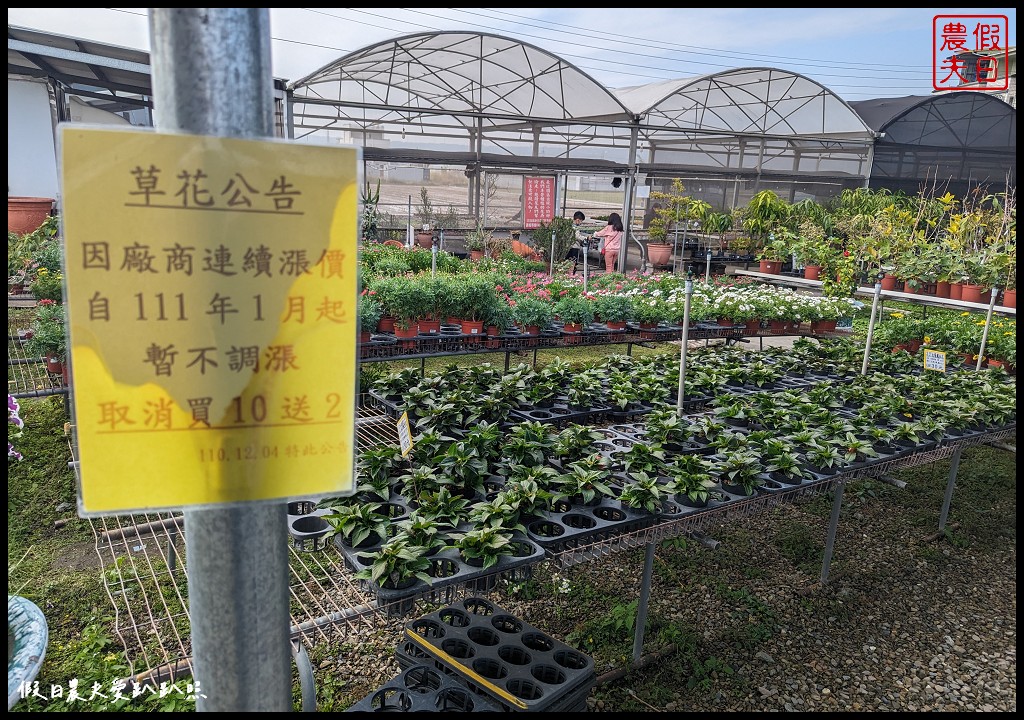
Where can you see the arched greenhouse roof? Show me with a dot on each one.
(747, 101)
(462, 74)
(963, 119)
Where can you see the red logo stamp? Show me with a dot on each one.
(970, 52)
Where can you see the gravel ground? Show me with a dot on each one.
(905, 623)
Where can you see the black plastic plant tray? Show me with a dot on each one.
(501, 656)
(568, 525)
(447, 568)
(558, 414)
(421, 688)
(307, 529)
(630, 412)
(389, 407)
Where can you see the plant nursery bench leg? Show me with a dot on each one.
(833, 524)
(306, 681)
(954, 466)
(645, 596)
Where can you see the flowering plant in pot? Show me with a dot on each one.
(575, 310)
(614, 309)
(532, 312)
(649, 311)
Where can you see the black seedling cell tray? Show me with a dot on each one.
(446, 568)
(504, 658)
(568, 525)
(421, 688)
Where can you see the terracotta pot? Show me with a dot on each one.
(823, 326)
(659, 253)
(956, 290)
(752, 328)
(771, 267)
(1009, 298)
(493, 333)
(409, 332)
(429, 327)
(26, 214)
(812, 272)
(476, 255)
(574, 333)
(386, 325)
(724, 322)
(473, 328)
(911, 288)
(971, 293)
(364, 337)
(424, 239)
(942, 289)
(996, 364)
(889, 282)
(778, 327)
(616, 324)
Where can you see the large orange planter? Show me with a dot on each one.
(26, 214)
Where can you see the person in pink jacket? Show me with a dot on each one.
(611, 236)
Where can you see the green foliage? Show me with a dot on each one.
(565, 237)
(48, 332)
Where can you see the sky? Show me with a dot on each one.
(858, 53)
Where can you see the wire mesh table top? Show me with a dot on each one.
(145, 578)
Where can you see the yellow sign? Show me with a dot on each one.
(404, 434)
(935, 360)
(212, 292)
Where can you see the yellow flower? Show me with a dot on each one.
(927, 340)
(964, 314)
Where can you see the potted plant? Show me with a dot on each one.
(576, 312)
(583, 485)
(396, 565)
(370, 312)
(675, 210)
(739, 472)
(359, 524)
(48, 339)
(425, 217)
(443, 506)
(614, 310)
(482, 547)
(692, 489)
(477, 241)
(421, 531)
(532, 314)
(642, 492)
(369, 200)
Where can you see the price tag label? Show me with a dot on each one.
(935, 360)
(404, 434)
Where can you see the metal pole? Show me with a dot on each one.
(685, 342)
(433, 259)
(551, 264)
(833, 524)
(707, 270)
(586, 257)
(212, 76)
(408, 225)
(871, 328)
(954, 466)
(645, 595)
(988, 324)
